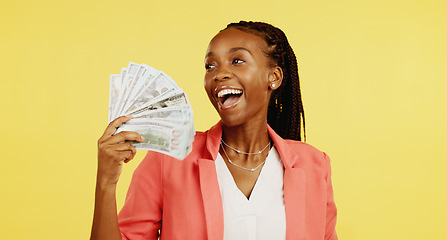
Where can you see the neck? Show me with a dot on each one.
(247, 137)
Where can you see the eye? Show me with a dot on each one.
(209, 66)
(237, 60)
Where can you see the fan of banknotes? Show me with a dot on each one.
(160, 110)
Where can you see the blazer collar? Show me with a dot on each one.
(288, 157)
(214, 135)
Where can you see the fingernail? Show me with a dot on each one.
(128, 116)
(142, 138)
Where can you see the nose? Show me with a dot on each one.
(222, 73)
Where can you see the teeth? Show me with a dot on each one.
(228, 91)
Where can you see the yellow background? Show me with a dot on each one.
(373, 80)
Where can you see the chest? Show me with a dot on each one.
(253, 205)
(244, 180)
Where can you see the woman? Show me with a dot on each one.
(242, 180)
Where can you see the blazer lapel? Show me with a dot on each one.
(294, 189)
(294, 200)
(212, 200)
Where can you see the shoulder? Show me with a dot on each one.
(307, 156)
(302, 148)
(200, 137)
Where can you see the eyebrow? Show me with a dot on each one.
(230, 51)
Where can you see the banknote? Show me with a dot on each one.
(127, 81)
(169, 113)
(160, 136)
(140, 72)
(160, 109)
(181, 115)
(148, 76)
(179, 99)
(155, 88)
(115, 85)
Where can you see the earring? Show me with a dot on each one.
(273, 85)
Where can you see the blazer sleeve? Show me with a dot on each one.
(331, 210)
(141, 215)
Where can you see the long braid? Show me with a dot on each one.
(285, 112)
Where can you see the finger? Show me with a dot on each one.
(123, 136)
(125, 146)
(130, 157)
(111, 128)
(127, 156)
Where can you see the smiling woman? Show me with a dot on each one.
(248, 177)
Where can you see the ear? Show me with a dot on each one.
(275, 78)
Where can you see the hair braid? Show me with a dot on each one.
(285, 112)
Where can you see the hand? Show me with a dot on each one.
(113, 151)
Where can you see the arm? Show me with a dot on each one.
(141, 215)
(113, 151)
(331, 210)
(105, 223)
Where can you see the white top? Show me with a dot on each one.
(263, 215)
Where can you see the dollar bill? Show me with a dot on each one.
(148, 76)
(115, 87)
(181, 113)
(160, 136)
(127, 82)
(123, 74)
(179, 99)
(140, 72)
(160, 109)
(157, 87)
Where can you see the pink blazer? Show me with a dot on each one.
(182, 198)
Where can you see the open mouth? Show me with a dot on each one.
(229, 97)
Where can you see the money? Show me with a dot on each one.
(166, 102)
(160, 109)
(159, 85)
(149, 74)
(161, 136)
(127, 82)
(115, 86)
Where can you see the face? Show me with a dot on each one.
(238, 77)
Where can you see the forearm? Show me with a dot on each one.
(113, 151)
(105, 221)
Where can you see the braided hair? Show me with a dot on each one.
(285, 111)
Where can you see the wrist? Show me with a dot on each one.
(105, 186)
